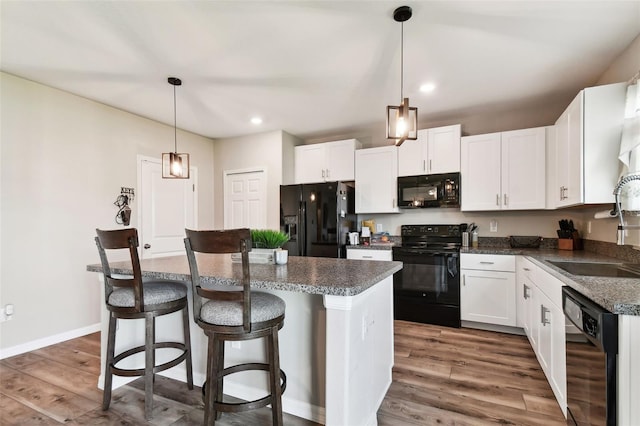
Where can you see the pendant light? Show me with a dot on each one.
(175, 165)
(402, 121)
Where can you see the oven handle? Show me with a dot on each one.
(414, 253)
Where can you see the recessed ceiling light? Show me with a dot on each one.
(427, 88)
(256, 120)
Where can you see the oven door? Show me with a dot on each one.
(430, 275)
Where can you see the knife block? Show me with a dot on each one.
(574, 243)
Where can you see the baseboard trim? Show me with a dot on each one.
(289, 405)
(48, 341)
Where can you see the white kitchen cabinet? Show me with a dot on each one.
(504, 171)
(587, 143)
(324, 162)
(376, 180)
(369, 254)
(437, 150)
(544, 324)
(488, 292)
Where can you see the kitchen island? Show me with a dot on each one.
(336, 346)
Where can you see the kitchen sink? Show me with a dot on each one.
(618, 270)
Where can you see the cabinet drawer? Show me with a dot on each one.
(369, 254)
(488, 262)
(550, 286)
(526, 269)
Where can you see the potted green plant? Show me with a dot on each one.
(265, 243)
(268, 238)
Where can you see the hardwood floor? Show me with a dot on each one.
(441, 376)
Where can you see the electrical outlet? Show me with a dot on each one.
(588, 227)
(493, 225)
(7, 312)
(378, 227)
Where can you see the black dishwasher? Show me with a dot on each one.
(591, 361)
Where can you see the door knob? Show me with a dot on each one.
(147, 246)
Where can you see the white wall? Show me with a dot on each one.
(271, 151)
(63, 161)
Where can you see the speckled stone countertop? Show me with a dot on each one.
(618, 295)
(313, 275)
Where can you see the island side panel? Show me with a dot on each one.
(359, 354)
(628, 369)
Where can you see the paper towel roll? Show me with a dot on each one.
(605, 214)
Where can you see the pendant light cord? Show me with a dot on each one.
(175, 123)
(401, 61)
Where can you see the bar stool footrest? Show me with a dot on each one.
(130, 372)
(238, 407)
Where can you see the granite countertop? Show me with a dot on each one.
(618, 295)
(313, 275)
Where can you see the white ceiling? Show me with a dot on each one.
(311, 67)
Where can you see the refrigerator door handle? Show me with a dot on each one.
(302, 230)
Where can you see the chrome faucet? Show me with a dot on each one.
(617, 190)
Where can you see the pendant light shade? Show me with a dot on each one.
(175, 165)
(402, 121)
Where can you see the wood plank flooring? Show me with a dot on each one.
(442, 376)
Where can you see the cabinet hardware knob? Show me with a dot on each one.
(147, 246)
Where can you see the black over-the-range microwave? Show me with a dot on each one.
(428, 191)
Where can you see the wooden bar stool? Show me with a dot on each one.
(129, 297)
(234, 314)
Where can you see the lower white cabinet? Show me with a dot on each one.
(369, 254)
(544, 323)
(488, 290)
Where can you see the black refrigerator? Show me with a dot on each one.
(317, 217)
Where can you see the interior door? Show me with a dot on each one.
(245, 199)
(167, 207)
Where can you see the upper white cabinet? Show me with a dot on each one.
(587, 143)
(504, 171)
(376, 180)
(323, 162)
(437, 150)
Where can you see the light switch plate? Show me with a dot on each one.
(378, 227)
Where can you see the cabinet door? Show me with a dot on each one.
(488, 297)
(569, 154)
(377, 180)
(542, 314)
(480, 172)
(340, 160)
(309, 163)
(443, 149)
(558, 377)
(523, 169)
(412, 156)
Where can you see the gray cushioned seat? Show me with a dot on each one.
(154, 291)
(264, 307)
